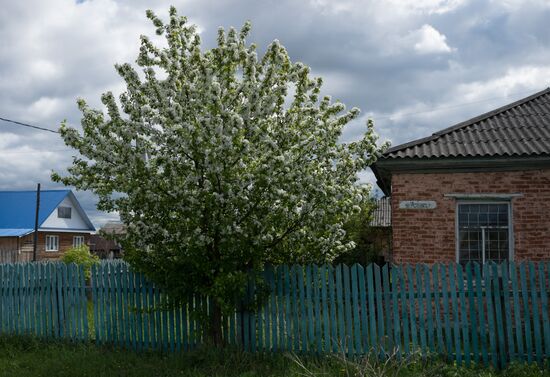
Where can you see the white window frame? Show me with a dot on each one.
(510, 227)
(80, 241)
(51, 245)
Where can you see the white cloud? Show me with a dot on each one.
(514, 5)
(44, 107)
(41, 68)
(517, 79)
(429, 6)
(392, 6)
(430, 41)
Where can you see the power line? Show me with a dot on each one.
(28, 125)
(33, 151)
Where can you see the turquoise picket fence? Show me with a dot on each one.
(43, 299)
(483, 314)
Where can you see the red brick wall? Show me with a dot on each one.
(429, 235)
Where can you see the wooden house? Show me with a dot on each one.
(62, 224)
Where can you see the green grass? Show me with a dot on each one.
(21, 356)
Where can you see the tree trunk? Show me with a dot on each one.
(215, 325)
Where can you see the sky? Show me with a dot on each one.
(414, 67)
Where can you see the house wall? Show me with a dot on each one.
(8, 243)
(9, 252)
(65, 243)
(429, 235)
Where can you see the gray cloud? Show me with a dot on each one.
(414, 67)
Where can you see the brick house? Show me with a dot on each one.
(62, 224)
(476, 191)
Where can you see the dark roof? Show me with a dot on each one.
(113, 227)
(381, 216)
(519, 129)
(99, 243)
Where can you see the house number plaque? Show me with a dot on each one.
(417, 204)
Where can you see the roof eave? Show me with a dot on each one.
(381, 180)
(384, 168)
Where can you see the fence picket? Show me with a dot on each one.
(340, 304)
(363, 308)
(472, 324)
(526, 319)
(487, 272)
(498, 315)
(317, 308)
(437, 303)
(379, 307)
(295, 309)
(412, 308)
(302, 304)
(429, 309)
(481, 313)
(3, 295)
(537, 335)
(347, 310)
(454, 304)
(404, 316)
(395, 306)
(510, 352)
(31, 274)
(333, 339)
(544, 307)
(517, 312)
(69, 295)
(325, 309)
(288, 302)
(273, 313)
(372, 314)
(309, 307)
(386, 300)
(282, 306)
(421, 311)
(463, 314)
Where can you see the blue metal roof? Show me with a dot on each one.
(18, 209)
(14, 232)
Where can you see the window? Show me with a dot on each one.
(52, 243)
(484, 233)
(78, 241)
(64, 212)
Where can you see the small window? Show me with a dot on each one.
(52, 243)
(78, 241)
(484, 232)
(64, 212)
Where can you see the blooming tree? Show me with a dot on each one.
(219, 162)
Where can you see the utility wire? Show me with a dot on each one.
(33, 151)
(28, 125)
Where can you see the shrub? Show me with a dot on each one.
(81, 256)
